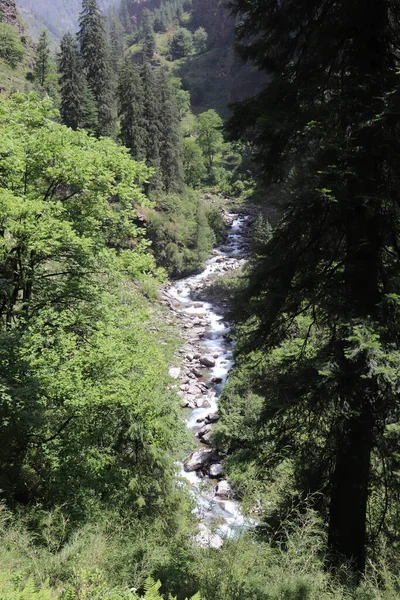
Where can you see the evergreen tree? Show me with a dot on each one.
(324, 130)
(130, 110)
(96, 63)
(117, 41)
(151, 120)
(43, 61)
(71, 83)
(124, 15)
(170, 138)
(149, 38)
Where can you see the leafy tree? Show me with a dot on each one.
(181, 44)
(77, 361)
(193, 162)
(96, 63)
(42, 61)
(200, 38)
(12, 49)
(182, 96)
(322, 132)
(209, 136)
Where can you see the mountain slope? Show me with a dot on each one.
(58, 16)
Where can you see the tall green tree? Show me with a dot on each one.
(42, 61)
(149, 38)
(151, 120)
(324, 131)
(95, 55)
(71, 83)
(208, 127)
(170, 135)
(131, 109)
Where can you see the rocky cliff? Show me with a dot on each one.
(9, 14)
(218, 78)
(215, 19)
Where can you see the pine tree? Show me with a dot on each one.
(124, 16)
(149, 38)
(170, 137)
(96, 63)
(324, 132)
(151, 120)
(117, 41)
(42, 64)
(130, 109)
(71, 83)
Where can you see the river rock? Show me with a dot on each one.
(203, 430)
(207, 360)
(174, 372)
(197, 372)
(206, 439)
(216, 470)
(199, 460)
(212, 418)
(202, 402)
(189, 357)
(223, 489)
(206, 539)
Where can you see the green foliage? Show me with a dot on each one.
(181, 232)
(12, 49)
(193, 162)
(181, 44)
(200, 39)
(92, 399)
(209, 136)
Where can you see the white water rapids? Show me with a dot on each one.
(219, 517)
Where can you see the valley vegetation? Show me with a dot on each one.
(111, 183)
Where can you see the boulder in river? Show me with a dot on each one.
(207, 360)
(216, 470)
(212, 418)
(223, 489)
(200, 459)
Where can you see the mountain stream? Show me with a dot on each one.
(207, 359)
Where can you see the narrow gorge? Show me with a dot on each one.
(207, 359)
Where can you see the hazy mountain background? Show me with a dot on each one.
(58, 16)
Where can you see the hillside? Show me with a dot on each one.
(217, 77)
(58, 16)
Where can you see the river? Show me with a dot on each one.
(206, 361)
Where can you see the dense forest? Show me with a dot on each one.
(142, 222)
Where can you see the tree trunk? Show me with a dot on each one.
(349, 495)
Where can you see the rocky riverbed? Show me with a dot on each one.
(206, 361)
